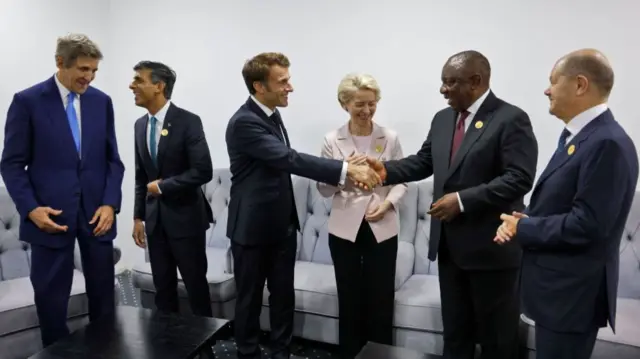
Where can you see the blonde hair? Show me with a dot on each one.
(353, 82)
(72, 46)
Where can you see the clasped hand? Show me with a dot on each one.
(509, 227)
(365, 172)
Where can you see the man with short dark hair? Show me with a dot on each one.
(172, 163)
(61, 167)
(482, 154)
(572, 228)
(263, 220)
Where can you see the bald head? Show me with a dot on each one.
(590, 63)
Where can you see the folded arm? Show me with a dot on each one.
(519, 157)
(16, 156)
(200, 169)
(602, 185)
(254, 139)
(411, 168)
(115, 167)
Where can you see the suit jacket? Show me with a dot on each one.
(262, 207)
(350, 203)
(571, 241)
(492, 171)
(183, 166)
(41, 166)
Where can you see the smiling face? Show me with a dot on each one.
(77, 77)
(362, 106)
(564, 93)
(144, 90)
(275, 92)
(457, 87)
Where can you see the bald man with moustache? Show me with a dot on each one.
(571, 231)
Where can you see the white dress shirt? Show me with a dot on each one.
(269, 112)
(160, 116)
(473, 110)
(579, 122)
(64, 92)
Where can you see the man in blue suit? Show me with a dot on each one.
(61, 166)
(571, 231)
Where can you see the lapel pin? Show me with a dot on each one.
(571, 150)
(378, 148)
(479, 125)
(164, 132)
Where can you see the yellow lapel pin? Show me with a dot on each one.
(571, 150)
(164, 132)
(479, 125)
(378, 149)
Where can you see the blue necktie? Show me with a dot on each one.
(73, 120)
(153, 148)
(562, 141)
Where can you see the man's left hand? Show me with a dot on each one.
(446, 208)
(509, 227)
(153, 188)
(104, 216)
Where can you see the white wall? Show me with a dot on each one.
(403, 45)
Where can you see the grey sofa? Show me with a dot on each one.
(19, 328)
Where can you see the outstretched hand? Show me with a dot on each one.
(378, 168)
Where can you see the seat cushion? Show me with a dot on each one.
(315, 288)
(222, 286)
(418, 304)
(17, 306)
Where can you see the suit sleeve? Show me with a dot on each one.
(412, 168)
(16, 156)
(603, 184)
(200, 167)
(115, 167)
(141, 181)
(254, 140)
(519, 158)
(398, 191)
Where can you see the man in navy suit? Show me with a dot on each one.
(61, 166)
(263, 219)
(571, 231)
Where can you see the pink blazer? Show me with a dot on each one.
(351, 203)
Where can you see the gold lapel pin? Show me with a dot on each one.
(378, 148)
(571, 150)
(164, 132)
(479, 125)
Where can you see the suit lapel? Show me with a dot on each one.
(561, 157)
(86, 128)
(476, 128)
(270, 124)
(58, 116)
(143, 148)
(165, 134)
(344, 141)
(378, 142)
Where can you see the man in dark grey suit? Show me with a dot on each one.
(172, 163)
(482, 154)
(263, 219)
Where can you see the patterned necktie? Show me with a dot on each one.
(153, 146)
(562, 141)
(72, 117)
(458, 135)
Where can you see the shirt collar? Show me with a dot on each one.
(577, 123)
(64, 92)
(160, 115)
(473, 109)
(264, 108)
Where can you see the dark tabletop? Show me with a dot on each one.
(137, 333)
(379, 351)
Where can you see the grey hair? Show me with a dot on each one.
(72, 46)
(354, 82)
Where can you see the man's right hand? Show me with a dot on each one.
(138, 233)
(40, 216)
(363, 176)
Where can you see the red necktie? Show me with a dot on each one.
(458, 135)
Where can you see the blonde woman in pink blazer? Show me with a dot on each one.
(363, 225)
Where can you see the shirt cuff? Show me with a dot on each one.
(160, 189)
(460, 202)
(343, 174)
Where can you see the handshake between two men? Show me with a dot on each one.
(365, 172)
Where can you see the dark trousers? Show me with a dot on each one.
(478, 307)
(555, 345)
(188, 255)
(52, 276)
(252, 266)
(365, 277)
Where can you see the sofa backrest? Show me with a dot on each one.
(15, 255)
(313, 241)
(217, 193)
(629, 284)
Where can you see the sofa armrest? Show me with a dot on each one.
(404, 263)
(77, 258)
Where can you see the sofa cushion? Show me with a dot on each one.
(17, 306)
(418, 304)
(315, 288)
(222, 286)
